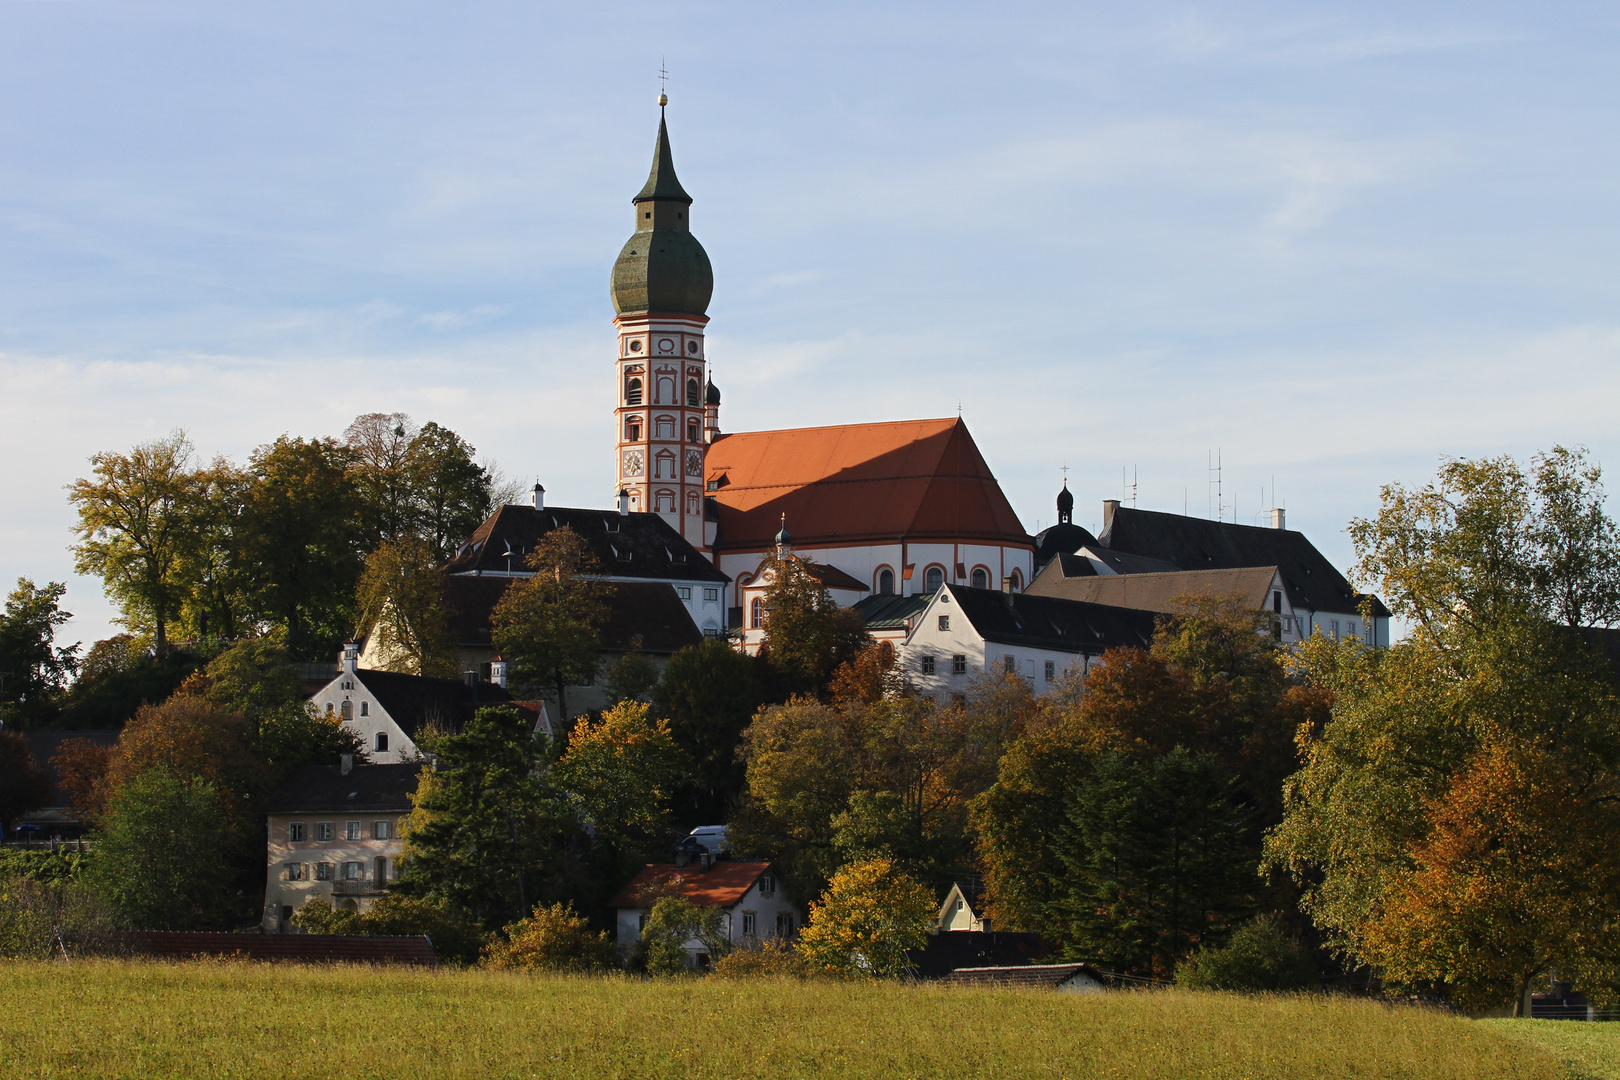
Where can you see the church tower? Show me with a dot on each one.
(661, 287)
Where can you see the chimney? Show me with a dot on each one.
(538, 497)
(346, 764)
(349, 659)
(1277, 516)
(1109, 506)
(497, 672)
(624, 503)
(1007, 591)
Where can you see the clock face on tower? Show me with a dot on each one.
(634, 463)
(694, 463)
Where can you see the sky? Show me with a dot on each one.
(1335, 244)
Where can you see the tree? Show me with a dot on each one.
(299, 537)
(1153, 861)
(24, 786)
(451, 494)
(623, 769)
(871, 915)
(1493, 691)
(32, 668)
(135, 526)
(807, 635)
(550, 939)
(632, 677)
(216, 607)
(117, 676)
(488, 826)
(81, 769)
(378, 445)
(867, 677)
(257, 679)
(190, 737)
(710, 693)
(157, 850)
(401, 600)
(548, 627)
(673, 922)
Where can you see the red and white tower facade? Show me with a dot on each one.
(661, 286)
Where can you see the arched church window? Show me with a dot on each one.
(934, 578)
(632, 392)
(756, 613)
(981, 578)
(885, 582)
(694, 393)
(1017, 580)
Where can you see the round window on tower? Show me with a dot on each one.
(635, 346)
(691, 346)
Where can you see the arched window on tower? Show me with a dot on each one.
(981, 578)
(756, 613)
(934, 578)
(885, 582)
(694, 394)
(632, 392)
(694, 433)
(632, 429)
(1017, 580)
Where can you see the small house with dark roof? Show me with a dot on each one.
(965, 632)
(388, 710)
(1259, 588)
(750, 896)
(1065, 978)
(333, 833)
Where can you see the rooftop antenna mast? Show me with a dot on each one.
(1217, 501)
(1127, 490)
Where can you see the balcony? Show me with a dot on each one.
(356, 887)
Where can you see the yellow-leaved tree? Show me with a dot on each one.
(868, 919)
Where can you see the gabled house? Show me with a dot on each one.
(389, 710)
(749, 894)
(964, 632)
(1260, 588)
(333, 833)
(956, 914)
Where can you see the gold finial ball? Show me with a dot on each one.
(663, 99)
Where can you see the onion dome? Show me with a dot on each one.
(662, 269)
(1065, 503)
(711, 394)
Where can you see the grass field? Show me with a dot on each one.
(217, 1020)
(1592, 1051)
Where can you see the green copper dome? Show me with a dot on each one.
(662, 269)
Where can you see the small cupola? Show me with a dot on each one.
(537, 497)
(1065, 505)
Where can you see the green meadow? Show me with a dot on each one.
(228, 1019)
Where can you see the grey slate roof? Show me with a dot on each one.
(1157, 592)
(1045, 622)
(642, 615)
(661, 182)
(415, 701)
(626, 545)
(889, 611)
(1190, 543)
(1064, 538)
(323, 789)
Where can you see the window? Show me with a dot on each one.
(1017, 580)
(958, 664)
(1333, 628)
(694, 393)
(711, 596)
(379, 830)
(748, 924)
(632, 429)
(1051, 670)
(381, 872)
(382, 742)
(641, 922)
(945, 623)
(784, 924)
(934, 578)
(684, 591)
(756, 613)
(323, 830)
(351, 830)
(351, 871)
(1276, 602)
(323, 871)
(885, 582)
(632, 389)
(693, 432)
(691, 346)
(981, 578)
(295, 832)
(1352, 629)
(1011, 664)
(767, 885)
(927, 664)
(365, 708)
(295, 871)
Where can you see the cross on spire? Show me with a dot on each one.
(663, 85)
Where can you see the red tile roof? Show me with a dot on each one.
(858, 483)
(721, 885)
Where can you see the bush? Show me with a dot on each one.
(869, 917)
(39, 919)
(772, 959)
(550, 939)
(455, 938)
(673, 921)
(1260, 956)
(158, 856)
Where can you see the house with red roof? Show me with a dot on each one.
(749, 894)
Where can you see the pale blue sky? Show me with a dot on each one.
(1337, 242)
